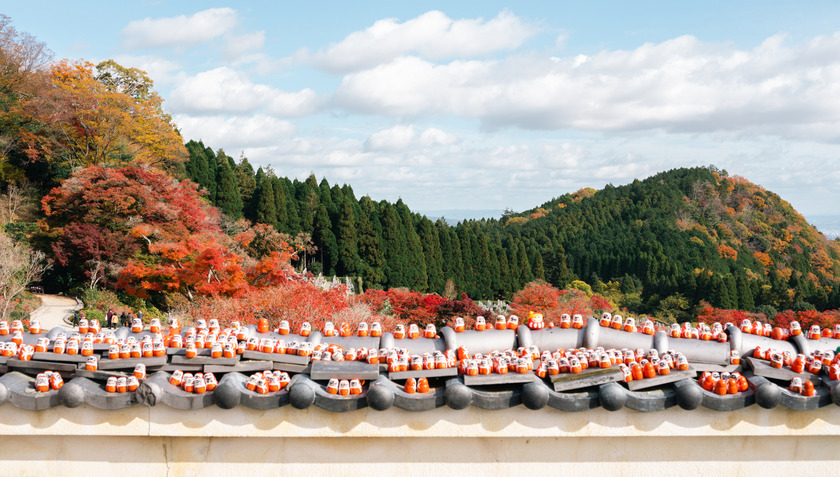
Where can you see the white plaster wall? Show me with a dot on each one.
(286, 441)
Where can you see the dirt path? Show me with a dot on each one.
(54, 309)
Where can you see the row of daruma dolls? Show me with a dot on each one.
(197, 383)
(795, 329)
(701, 332)
(48, 380)
(267, 381)
(635, 365)
(723, 383)
(818, 362)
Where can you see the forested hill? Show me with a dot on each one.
(684, 235)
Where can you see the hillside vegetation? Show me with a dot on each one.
(95, 177)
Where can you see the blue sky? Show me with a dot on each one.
(486, 105)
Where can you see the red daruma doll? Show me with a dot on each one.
(376, 329)
(513, 322)
(136, 325)
(42, 345)
(91, 364)
(459, 325)
(35, 326)
(399, 331)
(140, 371)
(480, 324)
(176, 377)
(430, 331)
(42, 383)
(413, 331)
(305, 329)
(501, 323)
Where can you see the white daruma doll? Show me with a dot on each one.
(42, 345)
(83, 325)
(34, 326)
(413, 331)
(430, 331)
(154, 325)
(140, 371)
(501, 323)
(136, 325)
(42, 383)
(376, 329)
(459, 325)
(87, 348)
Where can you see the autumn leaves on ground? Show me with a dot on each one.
(103, 199)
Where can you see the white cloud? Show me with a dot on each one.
(234, 133)
(160, 70)
(403, 138)
(179, 31)
(432, 35)
(681, 86)
(224, 90)
(242, 45)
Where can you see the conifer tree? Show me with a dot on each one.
(415, 264)
(348, 241)
(325, 241)
(264, 209)
(370, 252)
(394, 246)
(280, 206)
(431, 250)
(227, 190)
(245, 179)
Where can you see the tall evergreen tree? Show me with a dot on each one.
(264, 209)
(245, 179)
(325, 241)
(282, 210)
(227, 190)
(416, 276)
(370, 252)
(348, 241)
(431, 250)
(394, 246)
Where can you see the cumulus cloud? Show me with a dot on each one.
(682, 85)
(399, 138)
(160, 70)
(235, 132)
(225, 90)
(432, 35)
(242, 45)
(181, 30)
